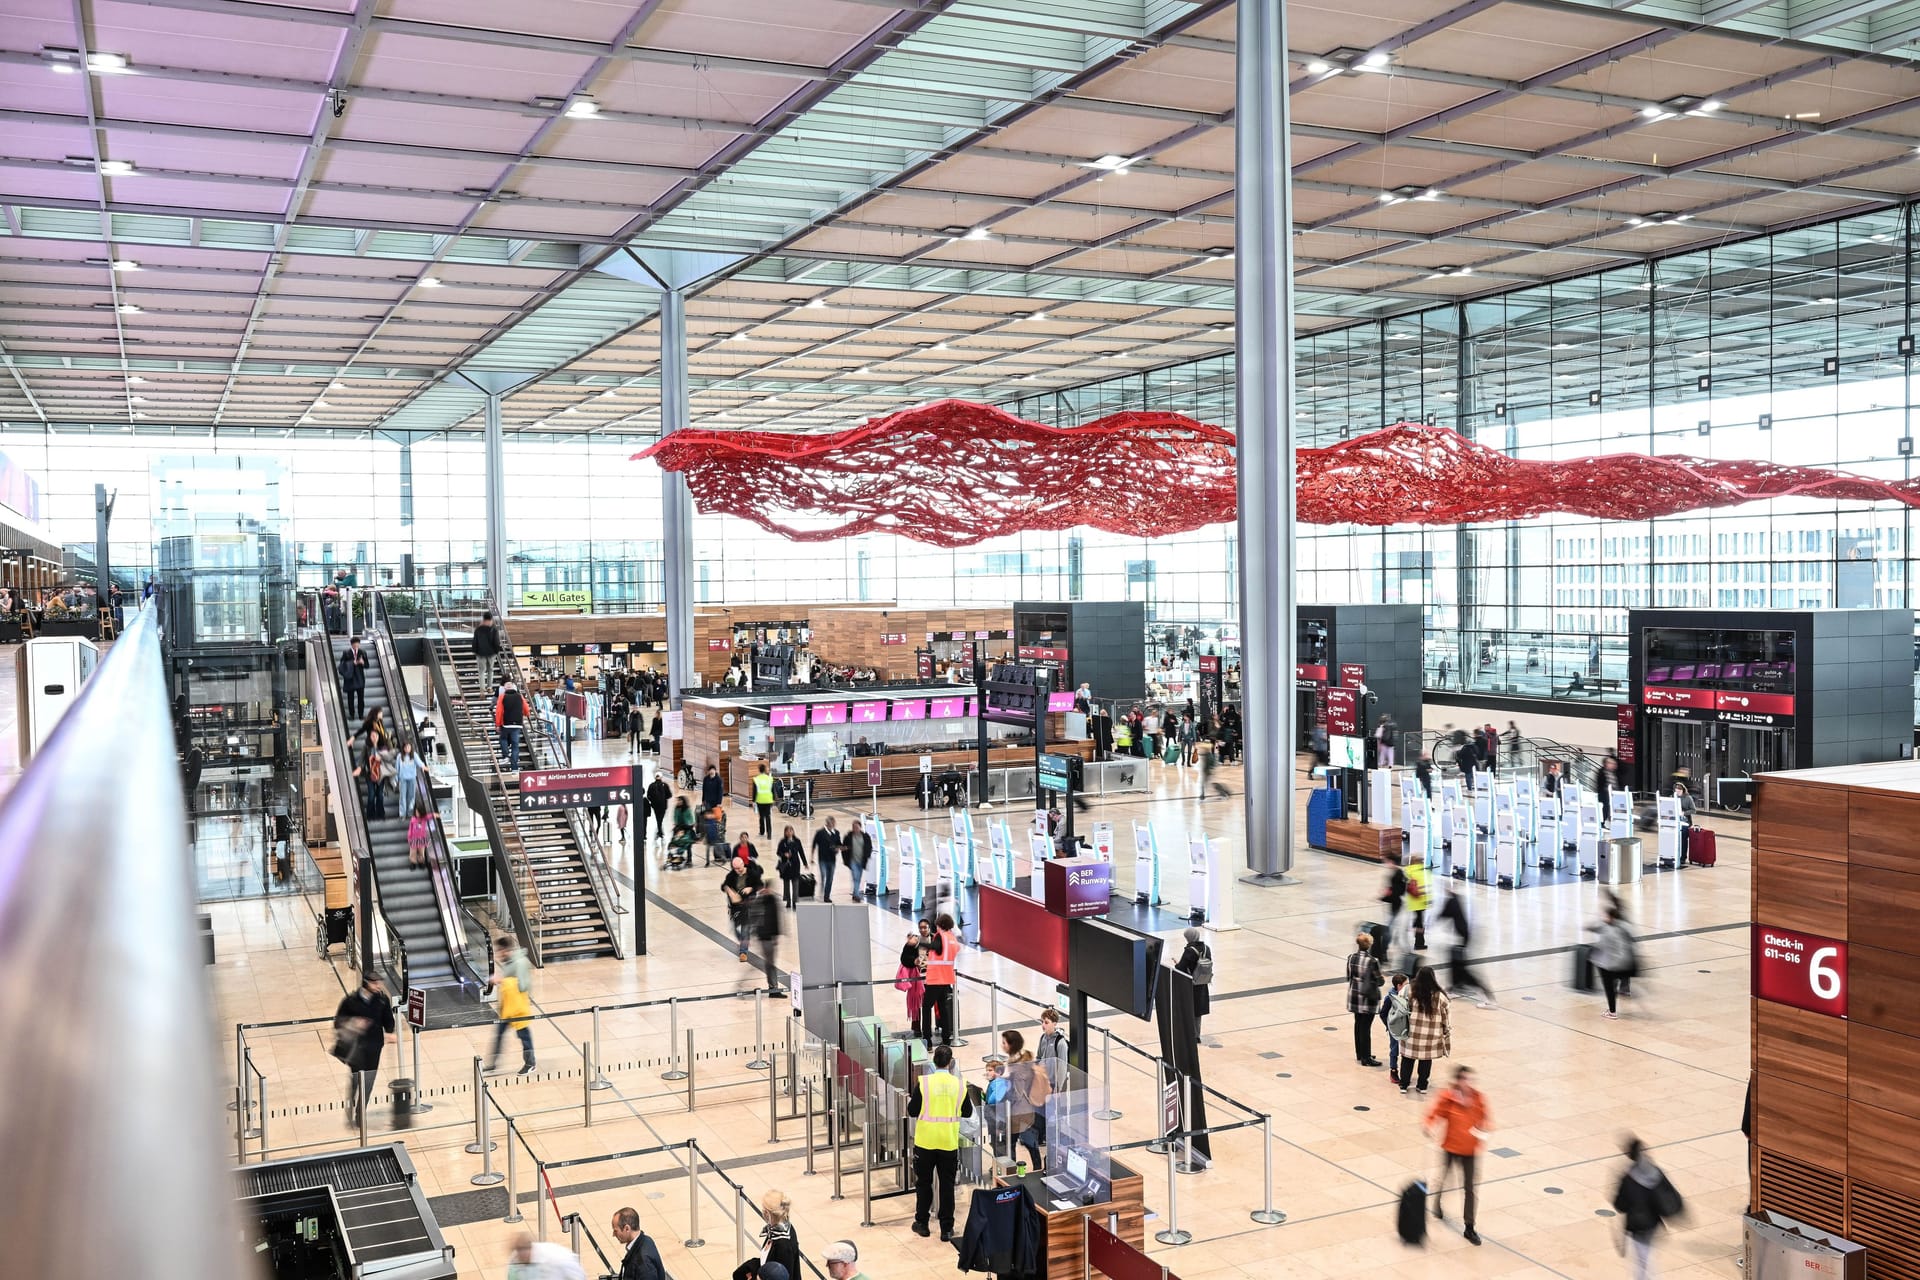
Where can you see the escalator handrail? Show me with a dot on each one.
(440, 860)
(517, 872)
(111, 1063)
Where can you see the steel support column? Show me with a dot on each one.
(676, 502)
(496, 385)
(675, 273)
(1263, 394)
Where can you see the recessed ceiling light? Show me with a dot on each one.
(1039, 315)
(429, 282)
(1319, 67)
(1376, 60)
(1220, 324)
(1701, 355)
(321, 404)
(1113, 164)
(817, 304)
(107, 64)
(572, 408)
(731, 337)
(136, 399)
(978, 233)
(1403, 336)
(117, 168)
(582, 107)
(124, 308)
(1563, 346)
(939, 346)
(1823, 302)
(135, 380)
(1220, 253)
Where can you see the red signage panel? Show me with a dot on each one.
(1310, 673)
(1043, 653)
(1776, 704)
(1024, 931)
(1343, 713)
(1668, 696)
(1625, 742)
(574, 788)
(1353, 674)
(1804, 970)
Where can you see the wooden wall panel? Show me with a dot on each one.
(1883, 1067)
(1880, 989)
(1884, 831)
(1801, 1047)
(1802, 817)
(1880, 1147)
(1807, 1124)
(1883, 908)
(1794, 891)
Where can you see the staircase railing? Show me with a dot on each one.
(446, 894)
(336, 742)
(482, 783)
(547, 754)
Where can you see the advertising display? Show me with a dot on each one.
(576, 788)
(1804, 970)
(1077, 887)
(1625, 733)
(1211, 694)
(1146, 865)
(1346, 753)
(1060, 700)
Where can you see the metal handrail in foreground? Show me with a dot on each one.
(99, 957)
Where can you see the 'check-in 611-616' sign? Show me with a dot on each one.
(1800, 969)
(576, 788)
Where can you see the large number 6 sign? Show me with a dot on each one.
(1800, 969)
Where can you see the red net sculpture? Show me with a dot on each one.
(954, 473)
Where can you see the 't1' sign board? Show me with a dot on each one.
(873, 773)
(417, 1008)
(1800, 969)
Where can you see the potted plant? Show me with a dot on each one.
(403, 612)
(63, 621)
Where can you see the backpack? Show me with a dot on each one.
(1399, 1014)
(1203, 967)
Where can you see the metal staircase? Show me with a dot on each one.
(558, 869)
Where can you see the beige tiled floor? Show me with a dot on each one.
(1565, 1084)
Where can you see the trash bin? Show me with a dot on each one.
(1619, 861)
(402, 1104)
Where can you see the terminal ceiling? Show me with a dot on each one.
(306, 216)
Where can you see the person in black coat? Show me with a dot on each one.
(353, 678)
(1188, 963)
(659, 795)
(641, 1260)
(1645, 1200)
(362, 1024)
(711, 790)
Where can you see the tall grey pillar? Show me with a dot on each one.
(1263, 394)
(676, 503)
(675, 273)
(495, 385)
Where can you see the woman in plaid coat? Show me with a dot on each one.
(1429, 1030)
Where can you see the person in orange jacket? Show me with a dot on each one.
(1461, 1119)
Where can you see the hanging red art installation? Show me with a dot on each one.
(954, 473)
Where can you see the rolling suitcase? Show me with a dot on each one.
(1412, 1215)
(1379, 932)
(1583, 967)
(807, 885)
(1702, 850)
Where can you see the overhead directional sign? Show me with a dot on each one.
(576, 788)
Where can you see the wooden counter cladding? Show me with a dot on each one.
(899, 773)
(1065, 1252)
(1358, 839)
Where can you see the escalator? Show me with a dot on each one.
(417, 908)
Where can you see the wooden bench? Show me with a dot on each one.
(1363, 840)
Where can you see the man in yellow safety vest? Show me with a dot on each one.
(1419, 898)
(936, 1101)
(763, 799)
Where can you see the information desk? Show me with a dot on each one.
(1363, 840)
(1064, 1253)
(899, 771)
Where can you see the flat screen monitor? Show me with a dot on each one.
(1347, 753)
(1114, 965)
(830, 713)
(788, 717)
(1076, 1166)
(1709, 671)
(1736, 671)
(910, 709)
(1683, 673)
(1658, 675)
(948, 708)
(869, 712)
(1060, 701)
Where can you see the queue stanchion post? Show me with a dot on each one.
(1107, 1111)
(1187, 1164)
(513, 1177)
(807, 1088)
(1160, 1145)
(486, 1177)
(1173, 1234)
(866, 1156)
(261, 1131)
(586, 1083)
(759, 1060)
(673, 1071)
(418, 1107)
(690, 1070)
(480, 1141)
(1267, 1215)
(773, 1106)
(239, 1127)
(740, 1222)
(693, 1240)
(600, 1080)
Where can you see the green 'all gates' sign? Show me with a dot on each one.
(582, 600)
